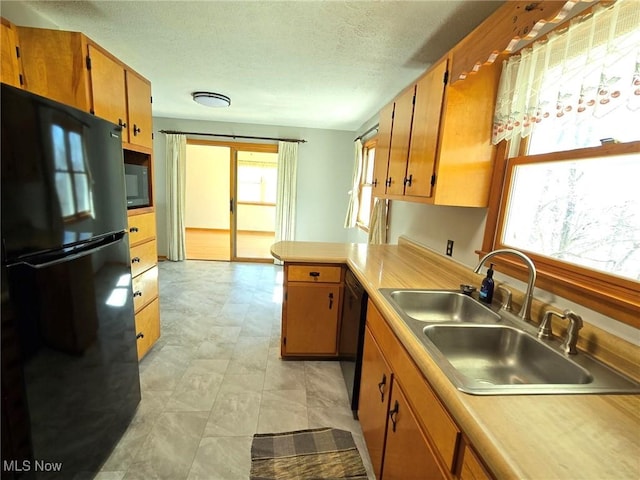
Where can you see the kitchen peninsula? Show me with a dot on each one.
(516, 436)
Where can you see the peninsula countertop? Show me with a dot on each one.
(518, 436)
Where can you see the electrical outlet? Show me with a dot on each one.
(449, 251)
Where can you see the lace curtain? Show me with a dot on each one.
(592, 68)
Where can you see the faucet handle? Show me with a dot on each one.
(506, 303)
(544, 331)
(575, 324)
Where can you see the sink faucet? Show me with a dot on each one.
(575, 324)
(525, 311)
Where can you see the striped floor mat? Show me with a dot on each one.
(318, 454)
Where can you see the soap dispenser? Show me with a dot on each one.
(486, 289)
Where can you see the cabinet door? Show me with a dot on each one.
(400, 138)
(424, 131)
(407, 453)
(108, 89)
(375, 389)
(11, 69)
(381, 161)
(471, 468)
(312, 318)
(139, 110)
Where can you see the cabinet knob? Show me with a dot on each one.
(133, 230)
(375, 182)
(137, 294)
(135, 260)
(388, 182)
(121, 123)
(330, 301)
(136, 130)
(314, 274)
(139, 336)
(408, 180)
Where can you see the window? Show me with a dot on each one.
(566, 197)
(366, 185)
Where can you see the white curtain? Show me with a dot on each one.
(378, 225)
(354, 193)
(286, 190)
(590, 69)
(176, 163)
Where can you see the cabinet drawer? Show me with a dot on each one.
(143, 257)
(433, 417)
(142, 227)
(147, 327)
(145, 288)
(314, 273)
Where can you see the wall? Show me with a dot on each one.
(325, 163)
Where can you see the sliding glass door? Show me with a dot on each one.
(230, 201)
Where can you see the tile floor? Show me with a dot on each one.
(215, 378)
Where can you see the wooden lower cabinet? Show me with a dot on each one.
(144, 270)
(471, 467)
(147, 327)
(311, 310)
(408, 455)
(425, 443)
(375, 388)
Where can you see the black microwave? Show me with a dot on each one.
(137, 185)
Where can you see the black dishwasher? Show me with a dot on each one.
(354, 310)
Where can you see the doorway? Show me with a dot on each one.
(230, 201)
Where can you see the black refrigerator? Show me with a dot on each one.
(70, 382)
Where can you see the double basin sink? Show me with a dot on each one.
(487, 352)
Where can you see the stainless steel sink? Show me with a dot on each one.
(501, 355)
(489, 352)
(438, 306)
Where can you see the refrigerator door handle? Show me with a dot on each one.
(71, 253)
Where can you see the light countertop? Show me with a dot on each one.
(518, 436)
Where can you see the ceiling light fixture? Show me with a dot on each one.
(211, 99)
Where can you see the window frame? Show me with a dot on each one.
(608, 294)
(366, 146)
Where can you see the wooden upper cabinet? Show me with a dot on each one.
(424, 131)
(108, 88)
(381, 160)
(139, 110)
(11, 70)
(400, 138)
(72, 69)
(54, 64)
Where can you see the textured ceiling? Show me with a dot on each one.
(318, 64)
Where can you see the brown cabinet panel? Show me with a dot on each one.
(139, 110)
(471, 468)
(375, 391)
(11, 69)
(312, 313)
(408, 455)
(147, 327)
(143, 257)
(54, 63)
(424, 131)
(108, 88)
(400, 138)
(314, 273)
(145, 288)
(383, 147)
(142, 228)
